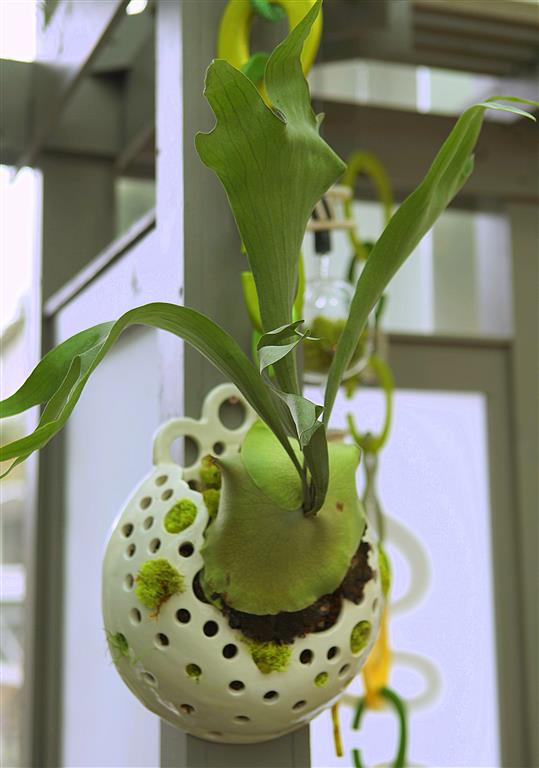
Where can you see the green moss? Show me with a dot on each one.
(385, 571)
(360, 636)
(156, 582)
(194, 671)
(321, 679)
(119, 647)
(181, 516)
(318, 355)
(211, 498)
(269, 657)
(210, 474)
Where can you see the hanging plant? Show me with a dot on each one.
(327, 299)
(288, 534)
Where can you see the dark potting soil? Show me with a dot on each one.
(285, 627)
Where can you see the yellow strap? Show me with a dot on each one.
(369, 165)
(368, 442)
(235, 31)
(337, 730)
(378, 667)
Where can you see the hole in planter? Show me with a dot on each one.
(343, 670)
(149, 678)
(306, 656)
(197, 589)
(299, 704)
(130, 551)
(236, 685)
(155, 544)
(187, 709)
(129, 581)
(147, 524)
(135, 616)
(242, 719)
(230, 650)
(232, 413)
(321, 679)
(167, 494)
(127, 530)
(375, 604)
(161, 480)
(211, 628)
(183, 616)
(218, 448)
(214, 734)
(161, 640)
(271, 696)
(333, 652)
(186, 549)
(194, 671)
(145, 502)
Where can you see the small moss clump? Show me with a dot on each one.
(194, 671)
(321, 679)
(119, 647)
(210, 474)
(211, 498)
(181, 516)
(156, 582)
(385, 571)
(360, 636)
(318, 353)
(269, 657)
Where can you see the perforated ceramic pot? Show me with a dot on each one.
(183, 661)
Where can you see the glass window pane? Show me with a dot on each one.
(456, 282)
(433, 485)
(18, 312)
(108, 449)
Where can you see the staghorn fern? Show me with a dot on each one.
(274, 167)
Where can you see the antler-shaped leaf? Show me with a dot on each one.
(274, 167)
(59, 379)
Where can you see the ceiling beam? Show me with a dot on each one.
(432, 35)
(406, 143)
(508, 11)
(71, 42)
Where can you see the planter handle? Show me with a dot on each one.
(209, 433)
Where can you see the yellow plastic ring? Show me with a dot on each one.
(235, 30)
(368, 164)
(367, 441)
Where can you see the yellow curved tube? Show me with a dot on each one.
(235, 31)
(377, 667)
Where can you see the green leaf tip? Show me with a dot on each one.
(180, 516)
(156, 582)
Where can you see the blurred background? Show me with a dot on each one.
(91, 137)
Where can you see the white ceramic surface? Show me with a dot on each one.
(162, 646)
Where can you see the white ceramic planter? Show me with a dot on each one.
(228, 699)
